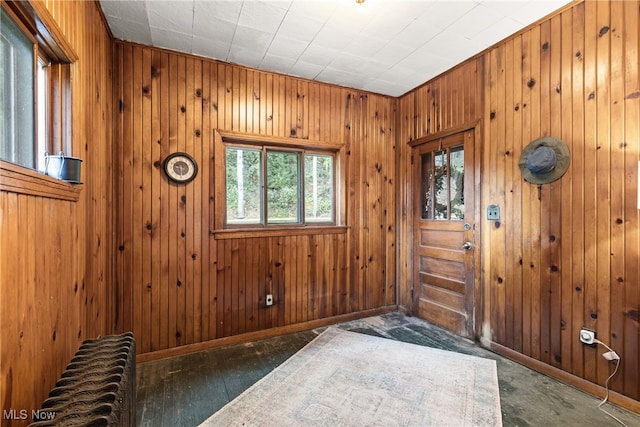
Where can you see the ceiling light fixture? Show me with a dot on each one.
(360, 1)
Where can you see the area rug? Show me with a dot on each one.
(344, 378)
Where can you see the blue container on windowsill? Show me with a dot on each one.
(63, 167)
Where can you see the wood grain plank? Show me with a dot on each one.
(589, 315)
(631, 371)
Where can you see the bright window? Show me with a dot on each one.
(17, 91)
(35, 98)
(277, 186)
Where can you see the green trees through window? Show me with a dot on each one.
(268, 186)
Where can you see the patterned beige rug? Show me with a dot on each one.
(348, 379)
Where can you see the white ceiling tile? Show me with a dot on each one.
(450, 44)
(295, 25)
(494, 33)
(317, 10)
(286, 46)
(306, 70)
(334, 37)
(171, 15)
(251, 38)
(261, 16)
(477, 20)
(244, 56)
(364, 46)
(351, 15)
(339, 77)
(277, 63)
(127, 30)
(215, 29)
(392, 88)
(389, 21)
(443, 13)
(382, 45)
(319, 55)
(228, 11)
(393, 52)
(416, 34)
(134, 11)
(348, 62)
(171, 39)
(211, 48)
(531, 11)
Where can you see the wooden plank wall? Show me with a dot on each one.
(180, 285)
(570, 258)
(445, 104)
(56, 256)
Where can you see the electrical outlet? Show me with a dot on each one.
(587, 336)
(269, 300)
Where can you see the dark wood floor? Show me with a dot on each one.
(184, 391)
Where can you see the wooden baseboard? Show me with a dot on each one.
(566, 377)
(257, 335)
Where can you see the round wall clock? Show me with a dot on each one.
(180, 168)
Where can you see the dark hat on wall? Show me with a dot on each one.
(544, 160)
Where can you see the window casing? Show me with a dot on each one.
(284, 198)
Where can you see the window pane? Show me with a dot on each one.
(441, 185)
(318, 188)
(456, 159)
(244, 203)
(16, 94)
(42, 115)
(283, 187)
(426, 211)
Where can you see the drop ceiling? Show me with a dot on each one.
(382, 46)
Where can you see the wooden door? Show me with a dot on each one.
(443, 283)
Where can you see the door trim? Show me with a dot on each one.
(443, 134)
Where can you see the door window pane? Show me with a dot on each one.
(456, 183)
(442, 184)
(244, 201)
(426, 182)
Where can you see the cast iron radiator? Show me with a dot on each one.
(98, 387)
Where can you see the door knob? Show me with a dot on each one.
(467, 245)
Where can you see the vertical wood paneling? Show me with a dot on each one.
(566, 256)
(57, 257)
(631, 307)
(182, 285)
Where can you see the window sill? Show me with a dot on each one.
(21, 180)
(277, 232)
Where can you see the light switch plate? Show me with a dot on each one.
(493, 212)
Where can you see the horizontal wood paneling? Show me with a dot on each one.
(565, 256)
(177, 283)
(56, 255)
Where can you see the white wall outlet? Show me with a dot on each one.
(269, 300)
(587, 336)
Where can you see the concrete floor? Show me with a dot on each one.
(186, 390)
